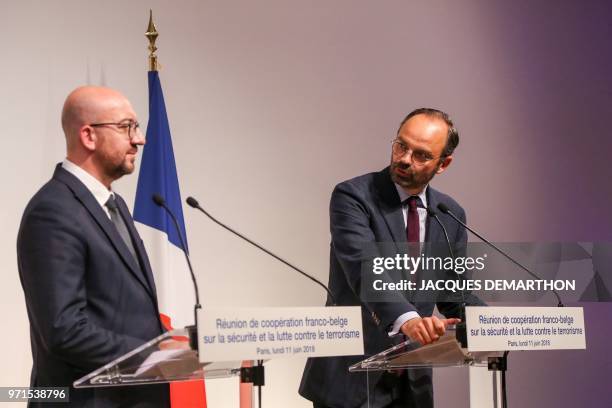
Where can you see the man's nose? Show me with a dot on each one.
(139, 138)
(407, 158)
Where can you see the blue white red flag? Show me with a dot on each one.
(158, 175)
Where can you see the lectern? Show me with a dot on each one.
(446, 352)
(152, 364)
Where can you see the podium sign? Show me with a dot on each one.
(525, 328)
(228, 334)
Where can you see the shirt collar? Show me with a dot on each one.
(404, 196)
(99, 190)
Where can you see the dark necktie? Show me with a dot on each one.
(412, 226)
(119, 223)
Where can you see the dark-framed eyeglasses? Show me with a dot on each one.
(132, 127)
(400, 148)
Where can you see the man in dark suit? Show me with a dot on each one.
(385, 207)
(87, 281)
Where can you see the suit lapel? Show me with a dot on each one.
(390, 206)
(138, 246)
(435, 238)
(89, 202)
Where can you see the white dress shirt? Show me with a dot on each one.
(99, 190)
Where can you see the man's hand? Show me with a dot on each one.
(426, 330)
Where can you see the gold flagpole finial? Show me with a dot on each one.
(152, 34)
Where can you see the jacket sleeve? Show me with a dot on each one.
(351, 233)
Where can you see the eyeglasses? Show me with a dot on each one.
(133, 127)
(399, 149)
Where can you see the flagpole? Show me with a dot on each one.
(151, 35)
(163, 238)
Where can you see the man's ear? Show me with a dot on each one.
(88, 138)
(444, 164)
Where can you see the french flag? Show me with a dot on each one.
(174, 287)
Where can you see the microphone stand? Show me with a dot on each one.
(255, 374)
(192, 329)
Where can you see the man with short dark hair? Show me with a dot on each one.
(87, 281)
(389, 206)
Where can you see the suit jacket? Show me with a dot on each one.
(88, 300)
(364, 210)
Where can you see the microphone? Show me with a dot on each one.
(432, 213)
(159, 200)
(444, 208)
(192, 202)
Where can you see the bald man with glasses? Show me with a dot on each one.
(85, 274)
